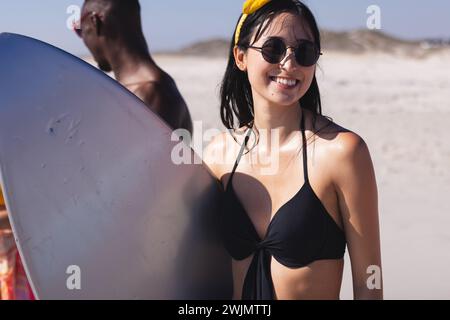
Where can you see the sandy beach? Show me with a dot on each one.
(400, 106)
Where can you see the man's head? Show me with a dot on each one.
(106, 24)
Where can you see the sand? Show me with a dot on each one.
(401, 107)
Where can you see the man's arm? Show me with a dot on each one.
(167, 102)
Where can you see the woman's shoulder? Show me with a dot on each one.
(347, 148)
(222, 150)
(335, 137)
(343, 142)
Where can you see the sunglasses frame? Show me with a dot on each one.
(283, 56)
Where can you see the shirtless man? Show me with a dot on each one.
(112, 31)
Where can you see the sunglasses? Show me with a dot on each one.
(274, 51)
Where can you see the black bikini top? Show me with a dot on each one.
(300, 232)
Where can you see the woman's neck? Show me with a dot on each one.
(278, 122)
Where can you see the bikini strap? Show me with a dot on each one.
(241, 152)
(305, 159)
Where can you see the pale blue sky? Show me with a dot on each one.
(173, 24)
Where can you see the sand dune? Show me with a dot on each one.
(355, 42)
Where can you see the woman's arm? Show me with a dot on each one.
(356, 189)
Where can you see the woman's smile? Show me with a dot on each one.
(285, 83)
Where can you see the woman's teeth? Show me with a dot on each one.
(285, 81)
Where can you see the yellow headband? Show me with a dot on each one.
(249, 7)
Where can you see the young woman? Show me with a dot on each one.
(286, 227)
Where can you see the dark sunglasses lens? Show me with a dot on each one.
(273, 50)
(307, 54)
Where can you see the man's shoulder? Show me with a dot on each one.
(158, 89)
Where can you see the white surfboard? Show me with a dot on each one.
(98, 208)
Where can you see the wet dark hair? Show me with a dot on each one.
(235, 91)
